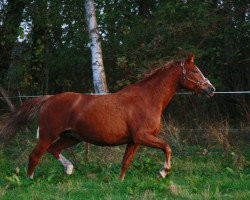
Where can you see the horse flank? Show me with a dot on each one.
(11, 123)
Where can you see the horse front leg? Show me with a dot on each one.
(127, 158)
(152, 141)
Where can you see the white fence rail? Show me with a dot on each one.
(178, 93)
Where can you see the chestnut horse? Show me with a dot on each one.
(130, 116)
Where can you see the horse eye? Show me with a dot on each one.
(194, 71)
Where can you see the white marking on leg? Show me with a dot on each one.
(164, 172)
(37, 133)
(166, 166)
(31, 176)
(68, 166)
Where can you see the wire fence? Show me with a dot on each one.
(178, 93)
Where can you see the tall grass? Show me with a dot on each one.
(202, 169)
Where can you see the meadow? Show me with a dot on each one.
(197, 173)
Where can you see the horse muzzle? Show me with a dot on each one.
(209, 91)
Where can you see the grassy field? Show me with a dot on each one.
(196, 174)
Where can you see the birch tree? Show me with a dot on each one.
(99, 77)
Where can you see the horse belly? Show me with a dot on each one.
(108, 131)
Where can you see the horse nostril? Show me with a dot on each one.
(212, 89)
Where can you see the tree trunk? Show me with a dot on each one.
(144, 7)
(39, 35)
(9, 31)
(99, 77)
(6, 97)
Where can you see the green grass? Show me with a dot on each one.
(194, 176)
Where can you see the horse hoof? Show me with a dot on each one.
(121, 178)
(69, 169)
(162, 174)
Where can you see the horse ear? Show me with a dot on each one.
(190, 58)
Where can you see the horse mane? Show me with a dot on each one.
(163, 66)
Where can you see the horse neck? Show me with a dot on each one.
(162, 86)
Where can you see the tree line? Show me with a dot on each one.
(44, 46)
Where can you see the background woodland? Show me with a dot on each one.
(45, 49)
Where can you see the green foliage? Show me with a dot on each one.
(53, 55)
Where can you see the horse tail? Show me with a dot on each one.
(12, 122)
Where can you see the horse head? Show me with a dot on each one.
(193, 79)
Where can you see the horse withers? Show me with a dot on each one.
(130, 116)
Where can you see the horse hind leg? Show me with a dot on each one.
(35, 155)
(87, 152)
(61, 144)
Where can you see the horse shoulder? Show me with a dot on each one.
(140, 116)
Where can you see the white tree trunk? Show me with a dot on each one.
(99, 77)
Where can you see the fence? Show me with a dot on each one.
(178, 93)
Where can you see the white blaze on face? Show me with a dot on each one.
(67, 164)
(199, 71)
(203, 77)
